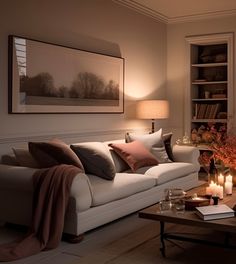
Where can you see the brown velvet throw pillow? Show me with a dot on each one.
(52, 153)
(135, 154)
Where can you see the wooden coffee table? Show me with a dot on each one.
(226, 225)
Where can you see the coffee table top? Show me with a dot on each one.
(190, 217)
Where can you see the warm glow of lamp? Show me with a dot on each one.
(152, 109)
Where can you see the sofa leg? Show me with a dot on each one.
(73, 239)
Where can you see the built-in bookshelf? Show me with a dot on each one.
(210, 85)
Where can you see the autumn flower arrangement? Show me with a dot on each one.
(224, 150)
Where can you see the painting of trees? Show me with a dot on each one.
(86, 85)
(50, 78)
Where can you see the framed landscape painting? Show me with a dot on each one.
(48, 78)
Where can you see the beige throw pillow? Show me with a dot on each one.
(155, 143)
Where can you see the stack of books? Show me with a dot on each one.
(212, 212)
(206, 111)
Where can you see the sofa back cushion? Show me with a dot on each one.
(135, 154)
(96, 159)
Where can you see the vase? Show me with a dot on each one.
(212, 175)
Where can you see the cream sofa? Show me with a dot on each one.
(96, 201)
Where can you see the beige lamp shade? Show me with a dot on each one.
(152, 109)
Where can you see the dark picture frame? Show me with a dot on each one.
(50, 78)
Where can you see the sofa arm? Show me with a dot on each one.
(187, 154)
(81, 192)
(16, 177)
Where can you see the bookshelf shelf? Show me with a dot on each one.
(210, 85)
(206, 83)
(215, 64)
(209, 99)
(209, 120)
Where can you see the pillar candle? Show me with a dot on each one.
(208, 190)
(213, 188)
(220, 191)
(228, 187)
(220, 179)
(229, 178)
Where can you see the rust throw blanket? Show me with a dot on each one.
(51, 194)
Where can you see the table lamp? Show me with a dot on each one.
(152, 109)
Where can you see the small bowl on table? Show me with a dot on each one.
(192, 202)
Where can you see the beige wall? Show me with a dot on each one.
(176, 62)
(96, 25)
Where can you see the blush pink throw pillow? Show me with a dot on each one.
(134, 154)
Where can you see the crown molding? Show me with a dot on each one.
(143, 10)
(203, 16)
(168, 20)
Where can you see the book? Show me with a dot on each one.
(212, 212)
(208, 110)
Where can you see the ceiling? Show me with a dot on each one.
(176, 11)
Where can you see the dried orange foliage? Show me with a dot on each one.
(224, 149)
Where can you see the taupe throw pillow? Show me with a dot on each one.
(52, 153)
(96, 159)
(24, 158)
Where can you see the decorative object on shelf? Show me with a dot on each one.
(49, 78)
(152, 109)
(213, 53)
(207, 94)
(208, 133)
(222, 115)
(185, 140)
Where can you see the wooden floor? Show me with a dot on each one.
(93, 242)
(71, 253)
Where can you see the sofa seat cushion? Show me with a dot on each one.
(123, 185)
(168, 171)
